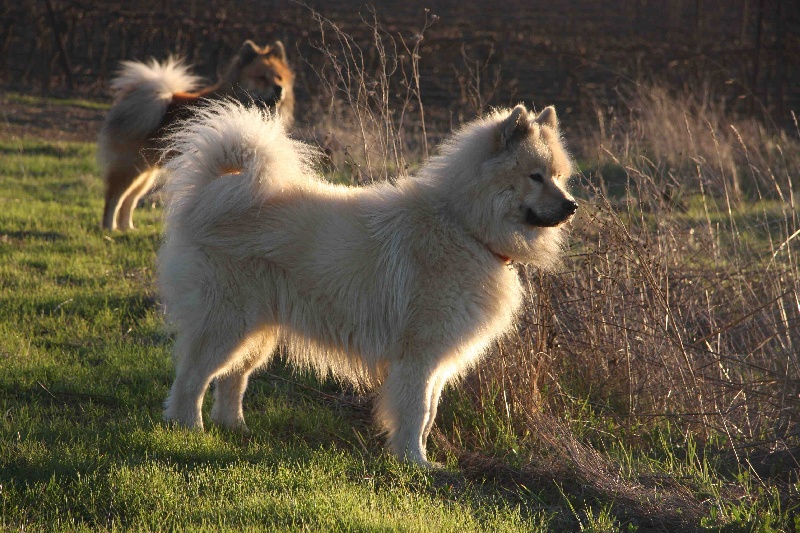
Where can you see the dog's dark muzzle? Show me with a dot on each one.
(268, 102)
(272, 100)
(567, 209)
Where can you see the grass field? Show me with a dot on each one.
(85, 369)
(550, 435)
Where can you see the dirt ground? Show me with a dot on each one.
(48, 119)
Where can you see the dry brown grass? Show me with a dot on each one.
(680, 304)
(671, 310)
(368, 117)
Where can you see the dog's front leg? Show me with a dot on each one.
(407, 407)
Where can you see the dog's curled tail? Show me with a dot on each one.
(142, 92)
(226, 158)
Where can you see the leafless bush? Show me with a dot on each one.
(478, 82)
(673, 314)
(682, 310)
(369, 118)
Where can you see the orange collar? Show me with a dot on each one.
(503, 258)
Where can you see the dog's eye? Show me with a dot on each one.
(537, 177)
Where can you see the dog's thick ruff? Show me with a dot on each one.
(393, 285)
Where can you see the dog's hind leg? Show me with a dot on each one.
(198, 359)
(118, 181)
(406, 408)
(139, 187)
(229, 387)
(185, 400)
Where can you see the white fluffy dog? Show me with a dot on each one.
(400, 285)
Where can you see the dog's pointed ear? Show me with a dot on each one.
(248, 52)
(548, 118)
(514, 127)
(278, 50)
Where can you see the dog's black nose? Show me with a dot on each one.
(277, 89)
(569, 206)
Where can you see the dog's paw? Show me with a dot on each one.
(238, 429)
(174, 423)
(230, 424)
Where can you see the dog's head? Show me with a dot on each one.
(535, 166)
(262, 76)
(518, 202)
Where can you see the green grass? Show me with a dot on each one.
(39, 100)
(85, 367)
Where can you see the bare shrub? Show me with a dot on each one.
(477, 82)
(681, 310)
(672, 314)
(368, 117)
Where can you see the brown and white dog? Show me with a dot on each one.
(152, 97)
